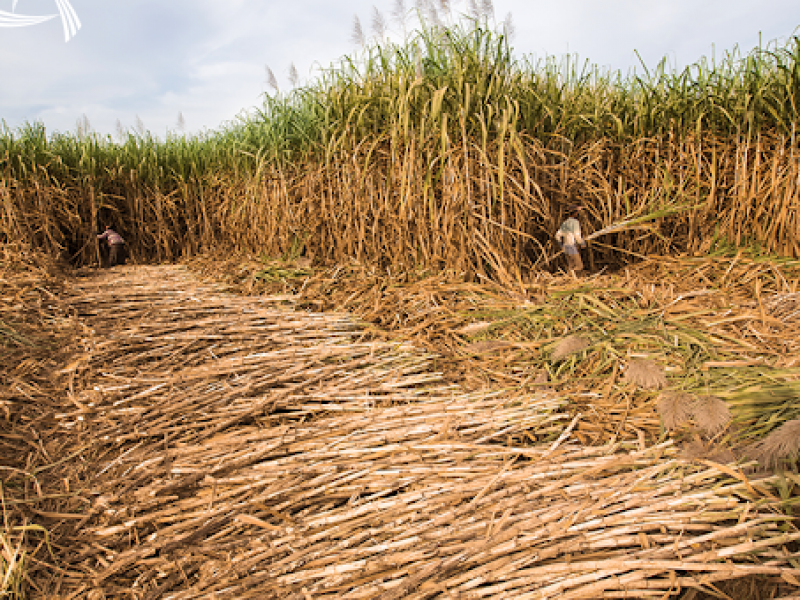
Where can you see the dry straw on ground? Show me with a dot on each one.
(487, 346)
(785, 307)
(256, 446)
(266, 452)
(713, 339)
(36, 332)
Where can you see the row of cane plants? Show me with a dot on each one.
(446, 136)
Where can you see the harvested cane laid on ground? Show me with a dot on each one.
(248, 450)
(719, 327)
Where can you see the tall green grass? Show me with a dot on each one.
(444, 150)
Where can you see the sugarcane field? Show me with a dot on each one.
(441, 324)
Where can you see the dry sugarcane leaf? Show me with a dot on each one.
(487, 346)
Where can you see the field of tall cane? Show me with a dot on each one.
(444, 151)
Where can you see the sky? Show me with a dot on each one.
(196, 65)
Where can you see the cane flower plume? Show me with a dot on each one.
(646, 374)
(783, 444)
(675, 408)
(711, 414)
(569, 345)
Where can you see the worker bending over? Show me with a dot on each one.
(117, 252)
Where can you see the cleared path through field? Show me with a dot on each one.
(251, 450)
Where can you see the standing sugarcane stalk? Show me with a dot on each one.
(95, 242)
